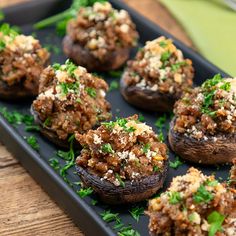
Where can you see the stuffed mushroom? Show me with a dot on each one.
(157, 76)
(70, 99)
(203, 129)
(22, 59)
(123, 161)
(194, 204)
(100, 37)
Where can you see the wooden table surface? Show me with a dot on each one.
(25, 209)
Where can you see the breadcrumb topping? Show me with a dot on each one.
(22, 59)
(160, 66)
(71, 99)
(122, 150)
(102, 29)
(193, 205)
(208, 110)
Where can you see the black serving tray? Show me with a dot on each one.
(84, 214)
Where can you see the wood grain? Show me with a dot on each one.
(26, 210)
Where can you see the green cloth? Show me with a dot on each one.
(212, 27)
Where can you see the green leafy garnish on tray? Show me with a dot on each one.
(136, 212)
(84, 192)
(32, 141)
(61, 19)
(176, 163)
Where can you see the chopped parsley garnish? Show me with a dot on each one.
(94, 202)
(178, 65)
(113, 85)
(160, 121)
(176, 163)
(47, 122)
(32, 141)
(155, 168)
(70, 158)
(5, 29)
(136, 212)
(115, 73)
(15, 117)
(146, 147)
(202, 195)
(215, 219)
(128, 231)
(54, 163)
(163, 44)
(108, 216)
(118, 225)
(211, 183)
(109, 125)
(107, 148)
(69, 87)
(91, 92)
(141, 118)
(69, 67)
(174, 198)
(119, 121)
(161, 137)
(122, 183)
(209, 89)
(32, 128)
(64, 155)
(165, 56)
(84, 192)
(62, 18)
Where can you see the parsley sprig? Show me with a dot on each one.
(209, 88)
(174, 198)
(176, 163)
(136, 212)
(215, 219)
(202, 195)
(61, 19)
(69, 157)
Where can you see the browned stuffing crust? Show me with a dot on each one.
(102, 30)
(71, 100)
(208, 110)
(191, 206)
(21, 61)
(124, 150)
(159, 66)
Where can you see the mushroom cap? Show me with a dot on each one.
(82, 56)
(16, 92)
(132, 192)
(50, 134)
(147, 99)
(216, 149)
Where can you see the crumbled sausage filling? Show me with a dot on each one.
(160, 66)
(102, 29)
(208, 110)
(22, 58)
(194, 204)
(124, 150)
(71, 99)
